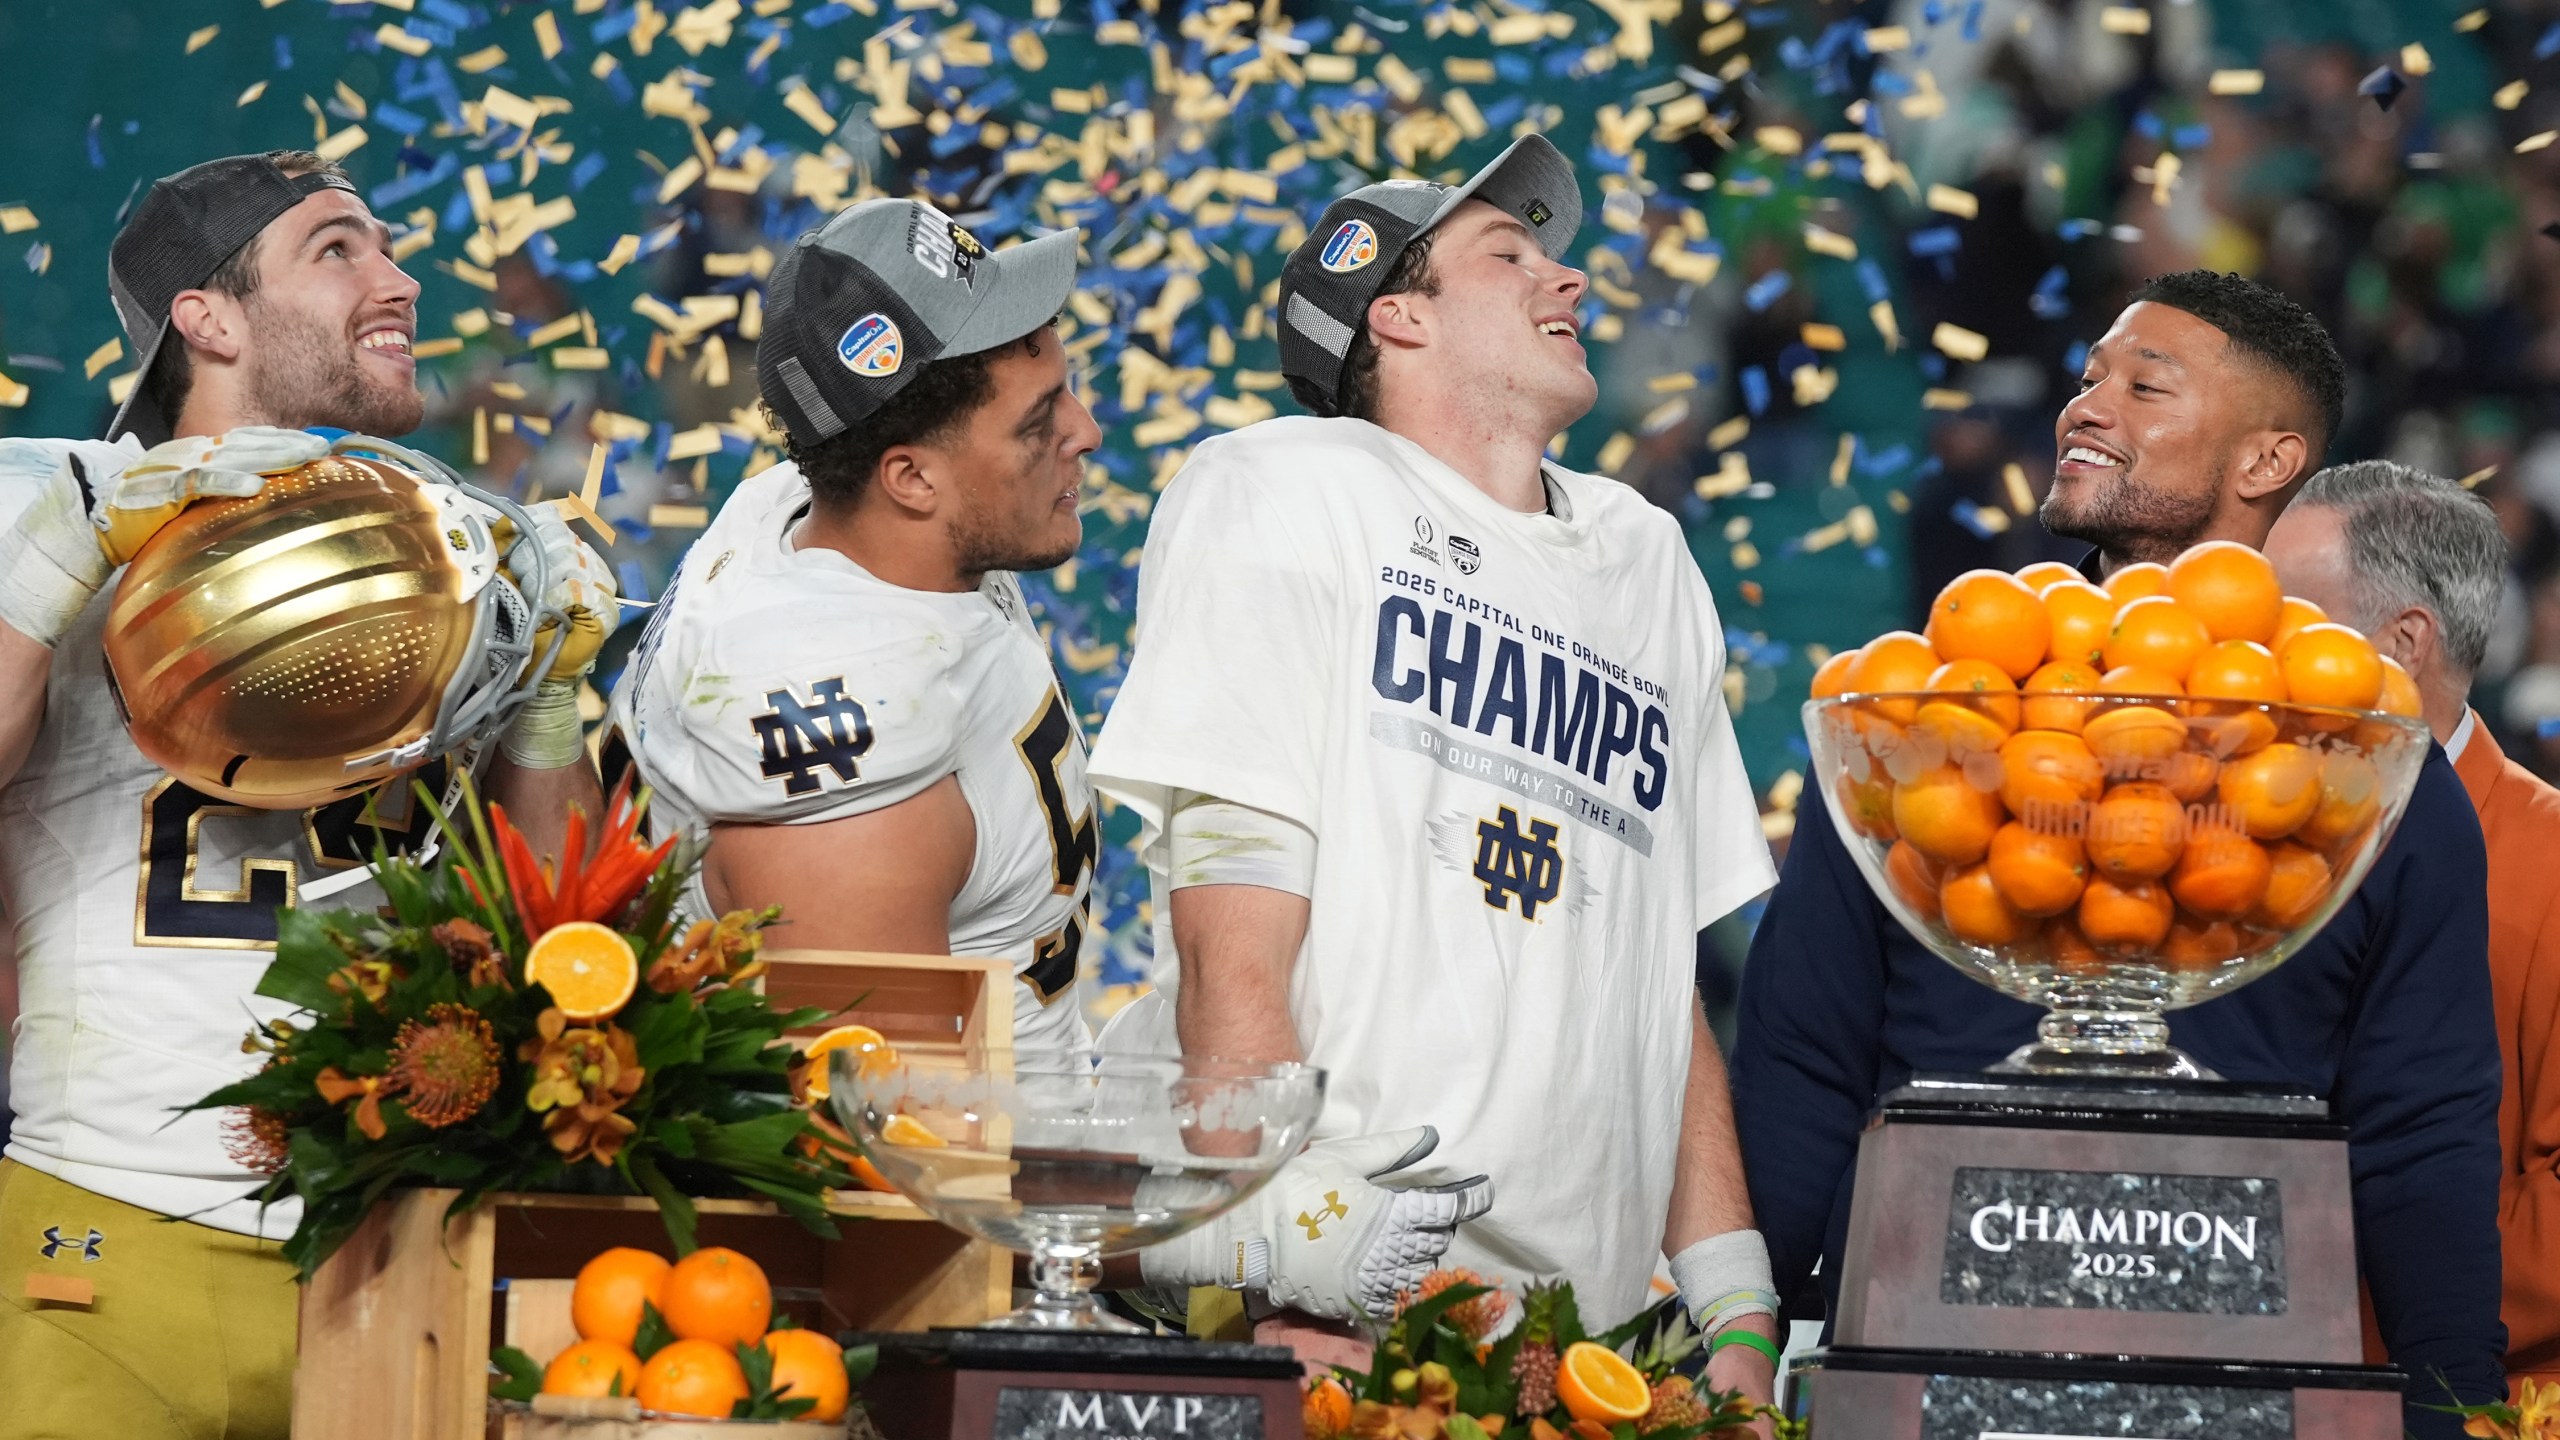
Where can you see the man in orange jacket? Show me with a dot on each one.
(2417, 563)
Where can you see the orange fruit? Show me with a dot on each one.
(1893, 662)
(2350, 796)
(719, 1295)
(2135, 581)
(2273, 791)
(2065, 681)
(2135, 834)
(2296, 613)
(693, 1377)
(2134, 738)
(2141, 680)
(2078, 616)
(1596, 1383)
(1977, 913)
(2039, 873)
(2188, 775)
(1868, 805)
(2237, 670)
(593, 1367)
(1914, 878)
(809, 1366)
(2399, 691)
(2048, 775)
(1978, 722)
(2201, 945)
(1945, 817)
(1326, 1409)
(873, 1047)
(588, 968)
(2231, 588)
(2222, 874)
(2156, 633)
(2045, 574)
(2328, 664)
(1831, 677)
(2297, 881)
(605, 1302)
(1990, 615)
(2133, 916)
(2071, 951)
(908, 1130)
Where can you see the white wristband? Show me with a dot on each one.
(1725, 1277)
(1218, 842)
(547, 734)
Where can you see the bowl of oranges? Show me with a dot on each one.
(2116, 800)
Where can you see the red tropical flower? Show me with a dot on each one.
(585, 886)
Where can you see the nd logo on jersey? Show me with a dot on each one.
(1351, 247)
(830, 729)
(1514, 863)
(872, 347)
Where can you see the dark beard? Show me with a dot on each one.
(293, 382)
(978, 548)
(2129, 521)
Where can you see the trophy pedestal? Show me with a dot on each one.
(2015, 1238)
(1027, 1385)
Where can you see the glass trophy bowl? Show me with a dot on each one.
(2110, 857)
(1068, 1159)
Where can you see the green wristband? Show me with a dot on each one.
(1736, 1335)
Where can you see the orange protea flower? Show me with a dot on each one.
(722, 951)
(473, 952)
(581, 1080)
(256, 1139)
(445, 1067)
(368, 1091)
(1475, 1319)
(583, 886)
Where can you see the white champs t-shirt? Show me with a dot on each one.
(1509, 736)
(783, 685)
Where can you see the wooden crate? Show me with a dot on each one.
(397, 1327)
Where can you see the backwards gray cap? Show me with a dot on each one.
(1328, 281)
(857, 306)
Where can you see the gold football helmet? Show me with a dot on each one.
(357, 617)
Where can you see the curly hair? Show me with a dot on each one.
(1356, 393)
(932, 408)
(2271, 332)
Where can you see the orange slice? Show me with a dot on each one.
(860, 1039)
(588, 968)
(1596, 1383)
(908, 1130)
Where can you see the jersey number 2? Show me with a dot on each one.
(1074, 841)
(176, 908)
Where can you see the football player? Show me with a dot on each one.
(263, 297)
(1430, 745)
(843, 684)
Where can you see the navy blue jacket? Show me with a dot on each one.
(2387, 1013)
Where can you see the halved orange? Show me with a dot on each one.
(1596, 1383)
(588, 968)
(908, 1130)
(860, 1039)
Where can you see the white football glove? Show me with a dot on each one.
(1333, 1234)
(547, 733)
(97, 510)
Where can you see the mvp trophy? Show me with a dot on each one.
(2101, 1237)
(1069, 1160)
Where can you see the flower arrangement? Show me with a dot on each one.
(1439, 1374)
(2534, 1415)
(506, 1025)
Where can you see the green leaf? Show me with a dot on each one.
(673, 1207)
(1462, 1427)
(1644, 1320)
(306, 956)
(782, 1322)
(518, 1378)
(1418, 1321)
(859, 1362)
(654, 1335)
(763, 1402)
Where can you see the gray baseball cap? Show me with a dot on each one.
(859, 305)
(1328, 281)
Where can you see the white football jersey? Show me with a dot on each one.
(145, 915)
(1508, 733)
(784, 686)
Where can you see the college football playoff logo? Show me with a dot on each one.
(1352, 246)
(872, 347)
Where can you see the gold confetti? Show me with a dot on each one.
(102, 357)
(342, 144)
(250, 95)
(624, 251)
(1958, 343)
(1814, 384)
(1616, 451)
(1948, 200)
(574, 507)
(1720, 37)
(2471, 21)
(1943, 399)
(1778, 140)
(2236, 82)
(546, 34)
(197, 40)
(2531, 143)
(1830, 242)
(1823, 337)
(120, 389)
(2476, 478)
(482, 61)
(2124, 20)
(1841, 457)
(392, 37)
(2022, 497)
(1672, 383)
(350, 100)
(802, 101)
(14, 218)
(430, 349)
(691, 444)
(679, 517)
(2509, 95)
(2415, 60)
(1729, 434)
(13, 395)
(555, 332)
(1881, 315)
(1888, 37)
(1732, 477)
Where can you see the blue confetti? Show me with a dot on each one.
(1973, 518)
(1871, 278)
(2147, 125)
(2192, 137)
(97, 152)
(2049, 302)
(284, 52)
(39, 255)
(2075, 359)
(635, 582)
(1764, 292)
(1755, 389)
(2079, 229)
(2549, 44)
(400, 122)
(1936, 240)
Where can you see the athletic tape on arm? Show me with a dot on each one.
(1218, 842)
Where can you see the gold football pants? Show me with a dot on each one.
(155, 1329)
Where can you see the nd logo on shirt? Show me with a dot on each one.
(872, 347)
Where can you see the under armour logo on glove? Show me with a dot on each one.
(55, 1244)
(1331, 1209)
